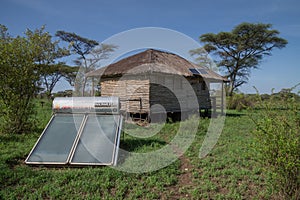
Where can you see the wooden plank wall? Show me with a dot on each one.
(173, 94)
(201, 89)
(130, 89)
(166, 90)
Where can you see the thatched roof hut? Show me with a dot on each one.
(151, 77)
(151, 61)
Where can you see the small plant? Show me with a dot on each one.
(278, 143)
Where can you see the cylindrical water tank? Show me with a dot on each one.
(109, 105)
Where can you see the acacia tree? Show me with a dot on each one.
(89, 52)
(69, 73)
(242, 49)
(53, 73)
(202, 58)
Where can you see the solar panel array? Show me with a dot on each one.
(78, 139)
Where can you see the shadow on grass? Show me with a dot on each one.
(235, 114)
(137, 144)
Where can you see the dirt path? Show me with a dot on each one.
(185, 181)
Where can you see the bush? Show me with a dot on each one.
(240, 102)
(17, 118)
(18, 84)
(277, 137)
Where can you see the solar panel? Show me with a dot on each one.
(83, 131)
(98, 141)
(198, 71)
(202, 71)
(56, 142)
(194, 71)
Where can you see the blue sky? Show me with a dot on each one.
(99, 20)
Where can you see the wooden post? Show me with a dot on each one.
(214, 105)
(222, 99)
(93, 92)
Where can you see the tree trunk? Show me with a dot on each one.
(84, 78)
(83, 86)
(232, 81)
(231, 88)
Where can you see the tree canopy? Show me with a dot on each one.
(18, 82)
(242, 49)
(90, 52)
(79, 45)
(48, 52)
(27, 63)
(53, 73)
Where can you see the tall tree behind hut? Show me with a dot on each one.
(241, 50)
(89, 52)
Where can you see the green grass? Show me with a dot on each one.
(229, 171)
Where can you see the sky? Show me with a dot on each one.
(101, 20)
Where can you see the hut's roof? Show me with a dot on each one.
(151, 61)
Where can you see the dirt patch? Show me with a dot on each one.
(185, 181)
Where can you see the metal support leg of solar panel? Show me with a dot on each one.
(82, 131)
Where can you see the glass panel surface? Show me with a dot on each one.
(194, 71)
(55, 144)
(97, 143)
(202, 71)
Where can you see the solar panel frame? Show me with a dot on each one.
(77, 137)
(27, 161)
(118, 140)
(37, 142)
(116, 143)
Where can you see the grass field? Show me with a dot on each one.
(230, 171)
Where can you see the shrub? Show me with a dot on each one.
(240, 102)
(277, 137)
(18, 84)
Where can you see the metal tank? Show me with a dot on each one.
(101, 105)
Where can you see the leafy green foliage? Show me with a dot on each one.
(278, 142)
(27, 64)
(52, 73)
(80, 45)
(240, 102)
(18, 84)
(242, 49)
(47, 52)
